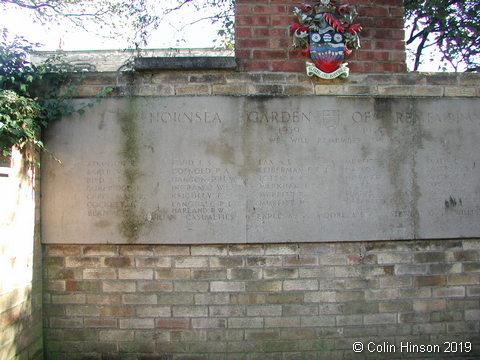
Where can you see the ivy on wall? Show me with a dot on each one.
(32, 95)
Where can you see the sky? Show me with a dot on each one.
(173, 33)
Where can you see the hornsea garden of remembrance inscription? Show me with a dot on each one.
(263, 169)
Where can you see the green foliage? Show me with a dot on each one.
(18, 121)
(16, 72)
(30, 95)
(19, 109)
(451, 27)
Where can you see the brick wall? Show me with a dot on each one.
(270, 301)
(277, 301)
(20, 263)
(263, 41)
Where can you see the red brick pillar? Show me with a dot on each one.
(263, 41)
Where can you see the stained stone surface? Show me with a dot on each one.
(184, 63)
(263, 169)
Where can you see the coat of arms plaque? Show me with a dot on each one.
(326, 33)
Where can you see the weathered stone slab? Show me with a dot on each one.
(260, 169)
(185, 63)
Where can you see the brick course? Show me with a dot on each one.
(275, 308)
(263, 40)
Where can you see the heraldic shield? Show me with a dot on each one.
(327, 35)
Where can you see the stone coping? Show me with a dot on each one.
(236, 83)
(114, 60)
(185, 63)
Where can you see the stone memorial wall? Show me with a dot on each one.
(171, 170)
(250, 212)
(197, 177)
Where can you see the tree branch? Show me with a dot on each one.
(418, 54)
(26, 6)
(168, 11)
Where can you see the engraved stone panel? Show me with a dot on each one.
(263, 169)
